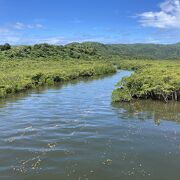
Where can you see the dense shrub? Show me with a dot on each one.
(5, 47)
(21, 75)
(151, 80)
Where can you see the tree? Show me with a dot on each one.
(5, 47)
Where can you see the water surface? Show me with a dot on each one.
(74, 132)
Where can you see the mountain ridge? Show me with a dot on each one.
(93, 49)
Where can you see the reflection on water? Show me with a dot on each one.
(43, 89)
(147, 109)
(72, 132)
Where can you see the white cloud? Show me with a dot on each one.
(8, 35)
(17, 33)
(21, 26)
(4, 31)
(38, 26)
(52, 40)
(167, 17)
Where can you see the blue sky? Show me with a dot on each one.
(106, 21)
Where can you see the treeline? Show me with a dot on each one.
(74, 50)
(89, 50)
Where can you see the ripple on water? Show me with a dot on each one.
(75, 133)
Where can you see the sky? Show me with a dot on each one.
(105, 21)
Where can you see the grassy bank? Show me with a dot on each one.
(159, 80)
(25, 67)
(20, 75)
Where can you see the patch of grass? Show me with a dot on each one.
(20, 75)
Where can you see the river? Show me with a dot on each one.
(73, 132)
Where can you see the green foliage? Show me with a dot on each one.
(152, 79)
(89, 50)
(5, 47)
(121, 94)
(20, 75)
(23, 67)
(74, 50)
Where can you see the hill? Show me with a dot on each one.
(88, 50)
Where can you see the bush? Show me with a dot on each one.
(5, 47)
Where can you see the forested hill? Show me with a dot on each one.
(152, 51)
(92, 49)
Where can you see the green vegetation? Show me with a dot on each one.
(20, 75)
(87, 50)
(5, 47)
(24, 67)
(146, 51)
(159, 80)
(73, 51)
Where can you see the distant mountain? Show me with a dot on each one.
(148, 51)
(95, 50)
(154, 51)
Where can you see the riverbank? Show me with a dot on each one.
(157, 80)
(21, 75)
